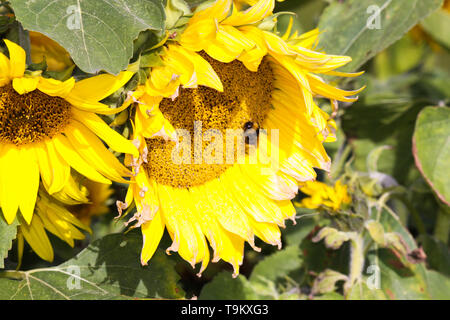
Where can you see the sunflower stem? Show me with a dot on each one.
(339, 163)
(14, 275)
(356, 262)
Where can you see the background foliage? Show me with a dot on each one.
(392, 151)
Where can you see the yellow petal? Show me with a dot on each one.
(101, 86)
(4, 70)
(66, 151)
(37, 238)
(94, 152)
(112, 138)
(152, 233)
(262, 9)
(25, 85)
(56, 88)
(17, 59)
(10, 185)
(60, 169)
(28, 178)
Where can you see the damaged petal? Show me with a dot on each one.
(120, 207)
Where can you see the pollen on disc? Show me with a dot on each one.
(31, 117)
(246, 99)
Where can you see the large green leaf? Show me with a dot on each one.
(438, 254)
(431, 148)
(8, 233)
(224, 287)
(264, 282)
(385, 115)
(361, 291)
(294, 234)
(350, 29)
(277, 265)
(397, 280)
(98, 34)
(438, 285)
(109, 268)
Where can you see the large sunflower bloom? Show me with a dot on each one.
(48, 127)
(226, 72)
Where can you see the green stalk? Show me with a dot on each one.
(338, 164)
(15, 275)
(356, 262)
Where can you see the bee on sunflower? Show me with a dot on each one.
(224, 70)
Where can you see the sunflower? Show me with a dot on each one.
(223, 73)
(321, 195)
(50, 216)
(49, 126)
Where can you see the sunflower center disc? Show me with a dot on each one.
(30, 117)
(243, 105)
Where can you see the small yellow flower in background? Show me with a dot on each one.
(42, 47)
(324, 196)
(98, 195)
(48, 127)
(49, 216)
(226, 72)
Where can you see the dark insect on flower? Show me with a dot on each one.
(248, 125)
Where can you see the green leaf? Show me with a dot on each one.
(109, 268)
(350, 27)
(224, 287)
(264, 282)
(438, 254)
(360, 291)
(175, 9)
(333, 237)
(385, 116)
(8, 233)
(376, 232)
(438, 285)
(98, 34)
(326, 281)
(305, 224)
(392, 225)
(399, 282)
(374, 156)
(277, 265)
(431, 149)
(330, 296)
(437, 25)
